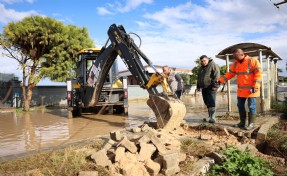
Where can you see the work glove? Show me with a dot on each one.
(217, 83)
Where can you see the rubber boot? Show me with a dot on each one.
(251, 119)
(241, 124)
(207, 119)
(212, 115)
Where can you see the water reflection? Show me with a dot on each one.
(30, 131)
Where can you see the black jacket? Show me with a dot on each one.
(208, 75)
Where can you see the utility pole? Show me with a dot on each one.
(279, 3)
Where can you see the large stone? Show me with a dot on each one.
(217, 157)
(145, 128)
(147, 137)
(158, 144)
(88, 173)
(100, 158)
(167, 139)
(205, 137)
(109, 144)
(136, 130)
(146, 151)
(202, 166)
(170, 163)
(128, 145)
(114, 171)
(116, 135)
(131, 167)
(152, 167)
(120, 153)
(253, 149)
(135, 169)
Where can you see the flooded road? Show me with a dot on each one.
(41, 129)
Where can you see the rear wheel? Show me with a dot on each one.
(119, 109)
(77, 112)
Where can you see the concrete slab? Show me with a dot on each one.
(263, 130)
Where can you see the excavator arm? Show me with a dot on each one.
(168, 109)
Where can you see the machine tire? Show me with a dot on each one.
(77, 112)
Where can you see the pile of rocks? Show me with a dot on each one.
(148, 152)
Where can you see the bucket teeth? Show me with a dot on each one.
(169, 112)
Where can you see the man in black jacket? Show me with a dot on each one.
(208, 74)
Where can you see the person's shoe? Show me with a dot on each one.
(251, 119)
(250, 127)
(241, 124)
(212, 120)
(206, 119)
(212, 115)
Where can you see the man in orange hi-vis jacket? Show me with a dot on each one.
(249, 77)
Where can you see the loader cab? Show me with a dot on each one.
(85, 62)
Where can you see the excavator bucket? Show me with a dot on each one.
(169, 111)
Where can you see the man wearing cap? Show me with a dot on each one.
(249, 75)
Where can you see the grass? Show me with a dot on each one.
(187, 146)
(277, 136)
(193, 150)
(280, 107)
(68, 161)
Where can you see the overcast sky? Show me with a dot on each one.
(173, 32)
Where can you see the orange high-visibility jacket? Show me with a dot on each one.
(249, 76)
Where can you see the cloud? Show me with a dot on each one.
(11, 66)
(15, 1)
(103, 11)
(119, 7)
(177, 35)
(8, 15)
(133, 4)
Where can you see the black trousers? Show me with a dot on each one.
(209, 97)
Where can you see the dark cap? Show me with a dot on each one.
(203, 56)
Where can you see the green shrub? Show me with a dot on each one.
(280, 106)
(239, 163)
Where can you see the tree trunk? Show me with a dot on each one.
(28, 97)
(25, 108)
(31, 85)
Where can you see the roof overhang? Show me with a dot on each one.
(252, 49)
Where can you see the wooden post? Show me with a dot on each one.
(228, 85)
(262, 103)
(268, 84)
(276, 79)
(272, 74)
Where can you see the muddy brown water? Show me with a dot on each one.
(47, 128)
